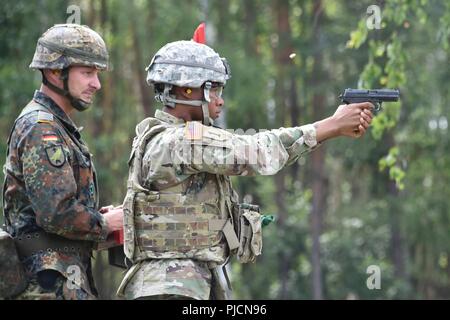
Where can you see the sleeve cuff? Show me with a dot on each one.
(305, 144)
(104, 229)
(309, 135)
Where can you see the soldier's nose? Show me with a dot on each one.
(95, 83)
(219, 102)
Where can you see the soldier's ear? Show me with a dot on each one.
(52, 75)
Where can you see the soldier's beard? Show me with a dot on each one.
(79, 104)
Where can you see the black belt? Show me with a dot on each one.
(41, 241)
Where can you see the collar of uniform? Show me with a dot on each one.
(167, 117)
(51, 105)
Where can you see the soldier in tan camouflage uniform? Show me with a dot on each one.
(182, 217)
(50, 195)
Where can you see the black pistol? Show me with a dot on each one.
(375, 96)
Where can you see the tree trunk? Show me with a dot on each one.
(144, 89)
(295, 112)
(398, 249)
(318, 206)
(250, 24)
(223, 20)
(284, 259)
(318, 164)
(281, 55)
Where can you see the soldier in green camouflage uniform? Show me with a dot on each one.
(182, 218)
(50, 194)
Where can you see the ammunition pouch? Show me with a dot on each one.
(247, 224)
(12, 275)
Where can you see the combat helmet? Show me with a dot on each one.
(66, 45)
(187, 64)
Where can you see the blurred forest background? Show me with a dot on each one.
(381, 200)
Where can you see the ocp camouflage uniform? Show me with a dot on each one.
(185, 168)
(51, 186)
(182, 217)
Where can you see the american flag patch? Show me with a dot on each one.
(50, 137)
(193, 130)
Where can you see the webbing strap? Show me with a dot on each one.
(226, 227)
(41, 241)
(137, 154)
(223, 225)
(230, 235)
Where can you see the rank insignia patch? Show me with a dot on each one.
(55, 155)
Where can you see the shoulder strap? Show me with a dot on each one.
(137, 153)
(29, 108)
(145, 130)
(33, 107)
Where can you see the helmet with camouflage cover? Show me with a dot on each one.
(187, 64)
(66, 45)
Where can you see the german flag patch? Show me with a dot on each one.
(50, 137)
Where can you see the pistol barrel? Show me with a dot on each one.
(362, 95)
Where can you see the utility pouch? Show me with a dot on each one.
(12, 275)
(247, 223)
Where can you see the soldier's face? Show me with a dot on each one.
(216, 102)
(84, 82)
(215, 105)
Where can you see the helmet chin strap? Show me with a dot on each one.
(78, 104)
(206, 120)
(168, 100)
(205, 103)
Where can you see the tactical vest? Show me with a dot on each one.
(170, 223)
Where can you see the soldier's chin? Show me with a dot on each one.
(87, 98)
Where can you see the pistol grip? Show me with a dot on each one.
(377, 106)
